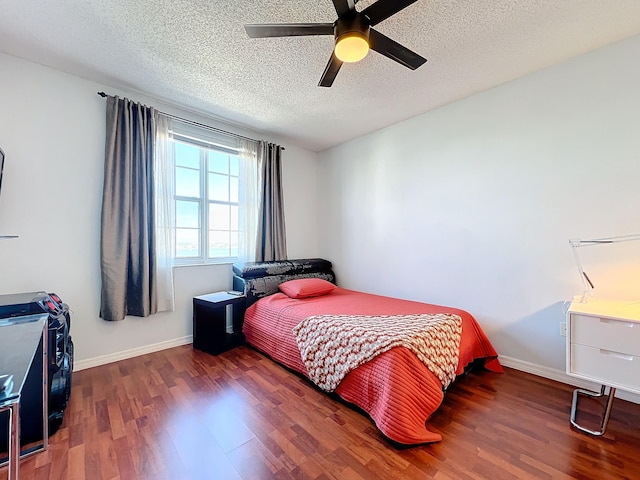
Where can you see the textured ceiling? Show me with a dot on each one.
(196, 54)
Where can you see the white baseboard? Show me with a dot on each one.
(561, 376)
(134, 352)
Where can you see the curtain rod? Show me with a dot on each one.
(202, 125)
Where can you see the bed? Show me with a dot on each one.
(395, 387)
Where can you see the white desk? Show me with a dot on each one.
(603, 346)
(19, 340)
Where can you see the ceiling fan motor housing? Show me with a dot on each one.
(353, 24)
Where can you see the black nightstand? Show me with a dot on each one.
(210, 322)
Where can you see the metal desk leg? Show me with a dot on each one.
(607, 408)
(14, 441)
(45, 387)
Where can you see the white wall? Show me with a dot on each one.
(52, 133)
(472, 205)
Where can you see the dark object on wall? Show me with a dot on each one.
(1, 167)
(1, 170)
(60, 364)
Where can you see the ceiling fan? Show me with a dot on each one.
(353, 35)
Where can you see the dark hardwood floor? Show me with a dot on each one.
(184, 414)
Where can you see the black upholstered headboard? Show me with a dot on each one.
(259, 279)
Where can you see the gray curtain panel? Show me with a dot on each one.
(271, 241)
(127, 249)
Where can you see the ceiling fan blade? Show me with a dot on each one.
(344, 6)
(393, 50)
(383, 9)
(264, 30)
(330, 72)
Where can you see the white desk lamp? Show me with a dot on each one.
(577, 243)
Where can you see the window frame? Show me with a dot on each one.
(205, 141)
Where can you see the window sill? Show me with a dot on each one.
(202, 263)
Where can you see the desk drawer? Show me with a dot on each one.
(616, 335)
(605, 366)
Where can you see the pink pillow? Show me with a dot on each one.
(306, 287)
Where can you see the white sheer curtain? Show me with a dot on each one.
(247, 200)
(164, 182)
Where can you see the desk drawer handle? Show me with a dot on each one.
(610, 320)
(622, 356)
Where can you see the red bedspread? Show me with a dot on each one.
(395, 388)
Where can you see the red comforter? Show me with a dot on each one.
(395, 388)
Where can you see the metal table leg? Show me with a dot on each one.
(14, 441)
(13, 460)
(607, 408)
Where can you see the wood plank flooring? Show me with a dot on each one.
(184, 414)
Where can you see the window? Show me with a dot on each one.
(206, 196)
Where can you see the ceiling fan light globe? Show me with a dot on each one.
(351, 47)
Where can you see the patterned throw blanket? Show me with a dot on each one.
(333, 345)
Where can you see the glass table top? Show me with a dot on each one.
(19, 339)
